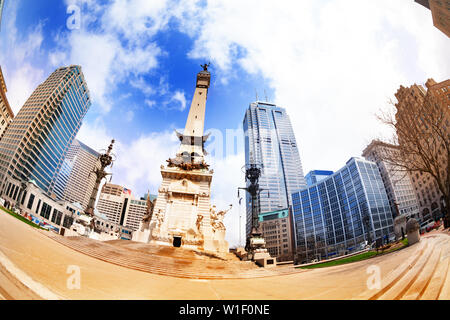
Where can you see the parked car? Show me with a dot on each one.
(437, 224)
(426, 226)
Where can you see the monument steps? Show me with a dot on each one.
(414, 281)
(439, 285)
(394, 275)
(402, 285)
(445, 288)
(423, 276)
(168, 261)
(423, 279)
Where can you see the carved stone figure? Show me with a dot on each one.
(148, 215)
(199, 222)
(217, 218)
(159, 219)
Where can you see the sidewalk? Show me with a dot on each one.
(47, 263)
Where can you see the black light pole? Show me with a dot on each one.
(366, 221)
(252, 174)
(106, 160)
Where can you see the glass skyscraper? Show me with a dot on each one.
(76, 179)
(334, 216)
(35, 143)
(2, 2)
(270, 142)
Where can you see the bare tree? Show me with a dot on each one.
(422, 126)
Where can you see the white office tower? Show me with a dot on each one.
(399, 188)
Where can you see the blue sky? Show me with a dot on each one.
(332, 64)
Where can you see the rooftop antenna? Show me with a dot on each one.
(256, 92)
(265, 94)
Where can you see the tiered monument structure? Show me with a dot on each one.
(182, 215)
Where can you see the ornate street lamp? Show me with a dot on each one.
(106, 160)
(255, 240)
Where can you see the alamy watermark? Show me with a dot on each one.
(73, 22)
(374, 280)
(74, 280)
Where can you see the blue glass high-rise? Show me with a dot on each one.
(270, 142)
(335, 215)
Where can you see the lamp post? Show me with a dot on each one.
(366, 221)
(106, 160)
(240, 218)
(255, 240)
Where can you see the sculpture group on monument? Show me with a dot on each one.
(182, 214)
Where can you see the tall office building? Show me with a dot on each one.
(120, 207)
(6, 114)
(440, 11)
(431, 200)
(317, 175)
(336, 215)
(2, 3)
(76, 179)
(36, 142)
(270, 142)
(397, 182)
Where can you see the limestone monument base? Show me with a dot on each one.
(262, 258)
(183, 216)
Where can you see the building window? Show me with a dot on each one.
(46, 209)
(23, 197)
(67, 222)
(38, 205)
(30, 201)
(12, 191)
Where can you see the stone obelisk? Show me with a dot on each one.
(182, 215)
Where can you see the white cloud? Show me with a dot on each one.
(21, 83)
(138, 161)
(332, 64)
(113, 43)
(142, 85)
(227, 177)
(129, 115)
(133, 18)
(179, 97)
(149, 103)
(95, 134)
(21, 77)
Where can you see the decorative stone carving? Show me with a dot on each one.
(217, 218)
(198, 223)
(145, 224)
